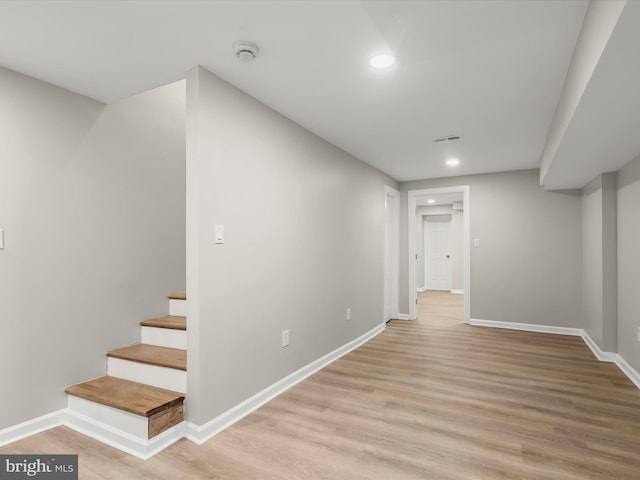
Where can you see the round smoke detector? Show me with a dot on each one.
(245, 51)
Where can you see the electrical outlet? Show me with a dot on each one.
(285, 338)
(348, 314)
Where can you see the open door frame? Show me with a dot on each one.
(412, 202)
(392, 254)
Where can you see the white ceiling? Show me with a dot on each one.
(439, 199)
(603, 135)
(492, 71)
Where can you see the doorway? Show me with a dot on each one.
(413, 198)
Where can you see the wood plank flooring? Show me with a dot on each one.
(431, 399)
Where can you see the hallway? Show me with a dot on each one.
(430, 399)
(440, 308)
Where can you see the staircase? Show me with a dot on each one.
(139, 405)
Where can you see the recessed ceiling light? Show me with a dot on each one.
(453, 162)
(382, 60)
(431, 200)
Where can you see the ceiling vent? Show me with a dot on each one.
(245, 51)
(448, 138)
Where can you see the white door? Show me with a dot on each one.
(438, 252)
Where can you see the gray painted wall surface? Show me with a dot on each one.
(304, 233)
(528, 267)
(610, 262)
(592, 309)
(628, 263)
(92, 204)
(599, 291)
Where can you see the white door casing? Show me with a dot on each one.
(412, 200)
(391, 254)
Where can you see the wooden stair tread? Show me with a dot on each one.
(132, 397)
(177, 296)
(171, 322)
(152, 355)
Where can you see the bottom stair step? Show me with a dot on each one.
(157, 409)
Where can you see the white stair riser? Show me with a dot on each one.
(177, 307)
(135, 425)
(161, 377)
(164, 337)
(131, 444)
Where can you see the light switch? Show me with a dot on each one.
(476, 242)
(219, 234)
(1, 238)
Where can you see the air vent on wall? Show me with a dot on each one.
(447, 138)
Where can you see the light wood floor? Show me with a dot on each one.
(431, 399)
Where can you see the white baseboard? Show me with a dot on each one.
(597, 351)
(602, 356)
(612, 357)
(628, 370)
(404, 316)
(31, 427)
(201, 433)
(424, 289)
(141, 448)
(145, 449)
(527, 327)
(124, 441)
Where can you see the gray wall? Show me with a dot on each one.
(92, 204)
(304, 233)
(592, 260)
(629, 263)
(599, 261)
(528, 267)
